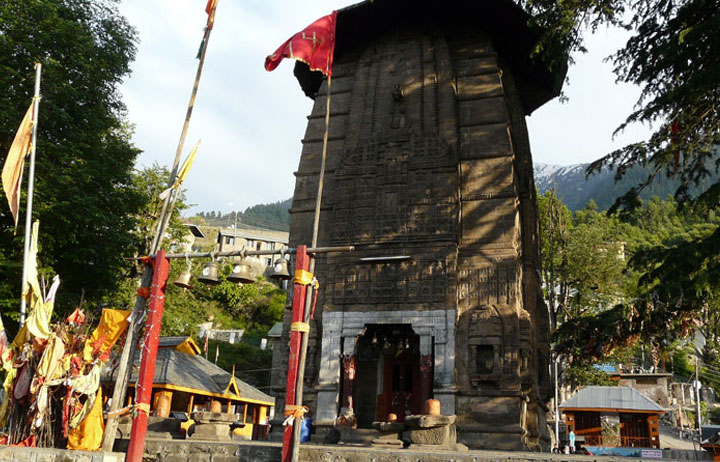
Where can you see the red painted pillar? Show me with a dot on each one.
(302, 263)
(149, 355)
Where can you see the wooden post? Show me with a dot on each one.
(143, 387)
(126, 360)
(191, 404)
(298, 316)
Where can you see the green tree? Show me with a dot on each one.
(85, 198)
(555, 227)
(149, 183)
(674, 56)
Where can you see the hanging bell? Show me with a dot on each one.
(280, 270)
(183, 280)
(242, 274)
(210, 274)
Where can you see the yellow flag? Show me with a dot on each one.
(185, 168)
(183, 172)
(12, 170)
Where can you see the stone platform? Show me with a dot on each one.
(260, 451)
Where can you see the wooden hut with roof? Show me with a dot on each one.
(613, 416)
(186, 382)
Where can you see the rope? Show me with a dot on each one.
(303, 277)
(294, 412)
(144, 407)
(316, 286)
(300, 327)
(143, 292)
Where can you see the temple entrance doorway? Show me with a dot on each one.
(389, 377)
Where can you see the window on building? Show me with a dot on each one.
(484, 359)
(250, 243)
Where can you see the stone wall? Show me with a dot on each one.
(15, 454)
(184, 451)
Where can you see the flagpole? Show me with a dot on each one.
(31, 179)
(128, 352)
(167, 205)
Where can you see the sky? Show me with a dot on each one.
(251, 121)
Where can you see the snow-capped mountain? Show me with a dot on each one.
(575, 190)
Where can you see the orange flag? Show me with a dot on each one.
(12, 171)
(210, 6)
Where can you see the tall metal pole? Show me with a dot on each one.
(557, 406)
(31, 180)
(697, 399)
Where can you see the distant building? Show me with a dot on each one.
(191, 236)
(230, 239)
(653, 385)
(609, 417)
(274, 334)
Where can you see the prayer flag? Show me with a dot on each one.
(182, 172)
(313, 45)
(4, 344)
(12, 170)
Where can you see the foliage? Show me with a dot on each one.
(584, 374)
(555, 224)
(674, 55)
(613, 305)
(252, 365)
(268, 216)
(641, 311)
(583, 259)
(84, 195)
(149, 183)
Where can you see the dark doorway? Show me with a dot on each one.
(388, 374)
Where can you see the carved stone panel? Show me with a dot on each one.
(491, 284)
(421, 279)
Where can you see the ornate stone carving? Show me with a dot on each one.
(411, 281)
(487, 285)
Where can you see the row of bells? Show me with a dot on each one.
(242, 274)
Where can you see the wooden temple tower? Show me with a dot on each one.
(429, 175)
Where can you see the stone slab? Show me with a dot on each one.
(203, 417)
(388, 427)
(211, 431)
(429, 421)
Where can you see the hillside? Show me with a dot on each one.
(575, 190)
(273, 216)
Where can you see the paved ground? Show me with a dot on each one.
(669, 438)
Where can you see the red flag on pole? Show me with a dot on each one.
(313, 45)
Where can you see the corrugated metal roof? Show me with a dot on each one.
(165, 342)
(611, 398)
(193, 371)
(275, 330)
